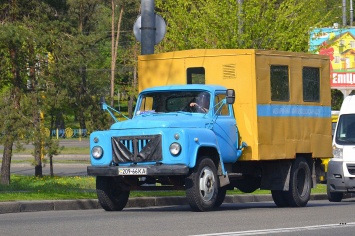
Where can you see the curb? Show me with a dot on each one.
(86, 204)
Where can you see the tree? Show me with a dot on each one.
(12, 42)
(22, 45)
(260, 24)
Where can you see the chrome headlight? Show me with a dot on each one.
(97, 152)
(337, 152)
(175, 149)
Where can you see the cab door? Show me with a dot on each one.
(225, 129)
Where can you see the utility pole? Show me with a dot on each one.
(344, 13)
(351, 13)
(147, 27)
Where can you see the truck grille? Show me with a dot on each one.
(136, 148)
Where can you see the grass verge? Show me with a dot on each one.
(78, 187)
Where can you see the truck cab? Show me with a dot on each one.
(179, 136)
(341, 168)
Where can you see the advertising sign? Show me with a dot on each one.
(339, 45)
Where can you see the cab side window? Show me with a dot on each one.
(220, 109)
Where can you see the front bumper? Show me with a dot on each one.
(336, 180)
(152, 170)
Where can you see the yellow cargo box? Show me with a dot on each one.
(283, 100)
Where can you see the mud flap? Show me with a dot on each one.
(223, 180)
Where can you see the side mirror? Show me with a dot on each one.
(102, 103)
(230, 96)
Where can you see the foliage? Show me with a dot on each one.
(337, 99)
(262, 24)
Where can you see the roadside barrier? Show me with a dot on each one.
(67, 133)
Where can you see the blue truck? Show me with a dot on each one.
(173, 141)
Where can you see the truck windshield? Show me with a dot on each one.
(174, 101)
(345, 133)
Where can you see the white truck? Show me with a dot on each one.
(341, 168)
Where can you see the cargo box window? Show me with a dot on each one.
(196, 75)
(279, 81)
(311, 84)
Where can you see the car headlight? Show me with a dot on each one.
(337, 152)
(97, 152)
(175, 149)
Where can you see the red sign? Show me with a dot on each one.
(343, 79)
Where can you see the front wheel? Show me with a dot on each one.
(112, 193)
(202, 186)
(334, 196)
(220, 196)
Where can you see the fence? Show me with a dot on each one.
(66, 133)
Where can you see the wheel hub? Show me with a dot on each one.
(207, 183)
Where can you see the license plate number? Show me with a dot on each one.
(132, 171)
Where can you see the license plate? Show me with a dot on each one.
(132, 171)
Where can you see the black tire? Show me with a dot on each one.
(280, 198)
(220, 196)
(300, 186)
(202, 186)
(111, 193)
(334, 196)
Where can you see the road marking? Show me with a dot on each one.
(279, 230)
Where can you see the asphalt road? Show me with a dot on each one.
(261, 218)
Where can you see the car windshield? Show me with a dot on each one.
(345, 133)
(174, 101)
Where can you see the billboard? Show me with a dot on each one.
(339, 45)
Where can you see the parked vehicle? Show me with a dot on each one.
(325, 161)
(341, 168)
(262, 121)
(335, 116)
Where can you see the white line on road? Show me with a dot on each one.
(279, 230)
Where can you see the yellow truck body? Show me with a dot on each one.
(273, 129)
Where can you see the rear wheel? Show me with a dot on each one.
(300, 183)
(202, 186)
(111, 193)
(279, 198)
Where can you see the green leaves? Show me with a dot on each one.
(260, 24)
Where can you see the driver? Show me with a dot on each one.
(202, 103)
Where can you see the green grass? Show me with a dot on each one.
(61, 188)
(48, 188)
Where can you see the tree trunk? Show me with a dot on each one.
(114, 47)
(38, 139)
(38, 159)
(134, 85)
(6, 162)
(51, 165)
(83, 99)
